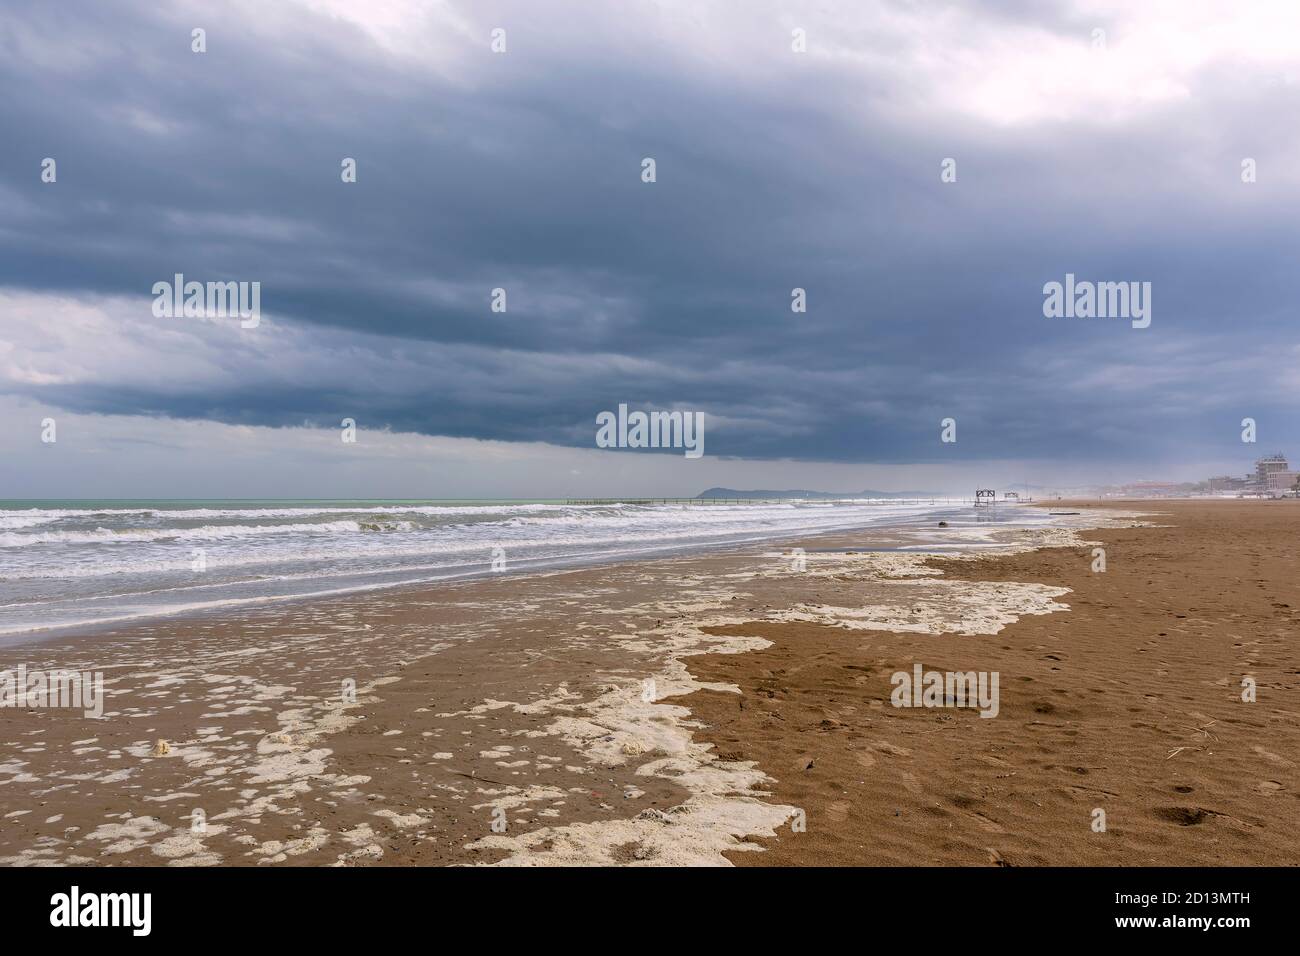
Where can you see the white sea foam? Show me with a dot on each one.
(69, 566)
(105, 535)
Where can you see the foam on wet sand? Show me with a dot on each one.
(523, 699)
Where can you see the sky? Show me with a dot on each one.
(1103, 140)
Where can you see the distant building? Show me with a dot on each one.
(1280, 482)
(1227, 483)
(1272, 476)
(1267, 466)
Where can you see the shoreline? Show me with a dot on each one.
(235, 604)
(579, 704)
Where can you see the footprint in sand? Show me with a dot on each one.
(891, 749)
(1273, 757)
(838, 811)
(984, 822)
(1182, 816)
(996, 858)
(966, 807)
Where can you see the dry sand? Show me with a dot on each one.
(1130, 702)
(705, 710)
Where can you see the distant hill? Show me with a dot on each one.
(802, 493)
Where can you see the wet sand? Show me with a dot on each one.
(524, 702)
(702, 710)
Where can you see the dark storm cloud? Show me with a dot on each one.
(522, 171)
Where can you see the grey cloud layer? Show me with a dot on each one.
(775, 171)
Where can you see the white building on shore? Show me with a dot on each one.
(1273, 476)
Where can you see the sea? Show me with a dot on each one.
(85, 564)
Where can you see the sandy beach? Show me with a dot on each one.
(709, 709)
(1130, 701)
